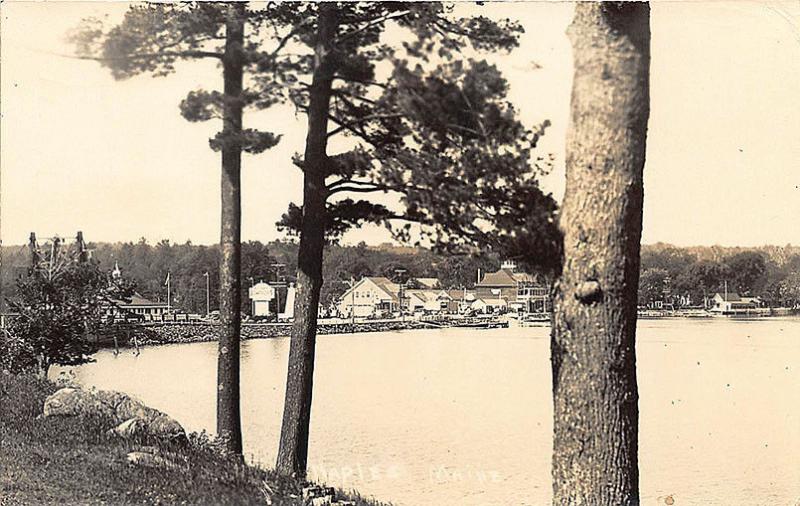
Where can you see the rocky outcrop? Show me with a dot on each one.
(130, 417)
(74, 402)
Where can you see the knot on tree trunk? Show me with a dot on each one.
(589, 291)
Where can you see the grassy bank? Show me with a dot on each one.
(72, 461)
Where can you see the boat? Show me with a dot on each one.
(480, 323)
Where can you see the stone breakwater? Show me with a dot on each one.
(167, 333)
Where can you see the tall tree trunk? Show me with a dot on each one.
(229, 424)
(293, 450)
(596, 415)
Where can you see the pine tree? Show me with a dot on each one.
(151, 39)
(439, 136)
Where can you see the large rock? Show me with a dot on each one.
(130, 429)
(131, 417)
(73, 402)
(147, 459)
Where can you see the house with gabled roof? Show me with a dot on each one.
(728, 303)
(489, 305)
(370, 296)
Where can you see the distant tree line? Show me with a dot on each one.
(146, 265)
(669, 273)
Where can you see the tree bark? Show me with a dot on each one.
(293, 449)
(229, 425)
(595, 439)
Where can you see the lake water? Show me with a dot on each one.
(463, 417)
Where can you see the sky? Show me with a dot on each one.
(81, 151)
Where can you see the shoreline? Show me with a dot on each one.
(153, 334)
(56, 459)
(160, 333)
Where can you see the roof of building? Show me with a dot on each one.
(492, 302)
(425, 295)
(138, 300)
(729, 297)
(384, 284)
(428, 282)
(506, 277)
(456, 294)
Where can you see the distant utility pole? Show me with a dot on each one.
(401, 293)
(167, 282)
(278, 267)
(352, 304)
(33, 246)
(208, 294)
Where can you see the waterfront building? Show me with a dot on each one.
(489, 305)
(139, 307)
(430, 301)
(460, 300)
(520, 291)
(731, 303)
(370, 296)
(375, 296)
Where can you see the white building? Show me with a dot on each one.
(370, 296)
(427, 300)
(731, 303)
(489, 305)
(261, 294)
(288, 306)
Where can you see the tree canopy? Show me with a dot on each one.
(441, 136)
(153, 38)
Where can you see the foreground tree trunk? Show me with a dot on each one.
(229, 425)
(293, 449)
(596, 416)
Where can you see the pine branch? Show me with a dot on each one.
(354, 189)
(343, 93)
(364, 82)
(352, 129)
(370, 24)
(144, 56)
